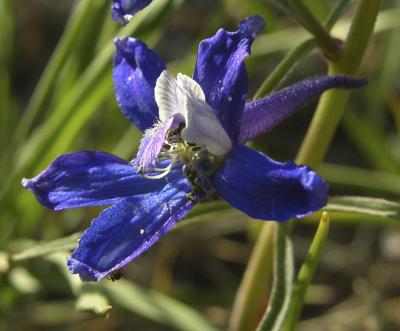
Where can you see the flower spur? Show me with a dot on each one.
(194, 135)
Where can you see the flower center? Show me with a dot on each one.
(197, 162)
(188, 133)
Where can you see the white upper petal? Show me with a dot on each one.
(185, 96)
(169, 96)
(190, 86)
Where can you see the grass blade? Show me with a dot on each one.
(306, 273)
(282, 282)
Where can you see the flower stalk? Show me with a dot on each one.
(314, 147)
(332, 104)
(322, 37)
(306, 273)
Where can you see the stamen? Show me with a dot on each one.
(162, 169)
(166, 171)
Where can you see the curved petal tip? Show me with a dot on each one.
(317, 189)
(86, 273)
(252, 26)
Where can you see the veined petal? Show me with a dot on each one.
(127, 229)
(89, 179)
(262, 115)
(136, 69)
(191, 87)
(169, 96)
(266, 189)
(221, 72)
(123, 10)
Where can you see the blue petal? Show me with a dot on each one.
(266, 189)
(123, 10)
(136, 69)
(127, 229)
(89, 179)
(221, 72)
(262, 115)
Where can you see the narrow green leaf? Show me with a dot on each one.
(75, 28)
(58, 132)
(48, 247)
(364, 205)
(306, 273)
(78, 105)
(362, 179)
(282, 282)
(156, 306)
(8, 118)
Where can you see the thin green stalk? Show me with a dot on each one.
(283, 68)
(322, 128)
(282, 286)
(289, 62)
(247, 301)
(332, 104)
(306, 273)
(321, 35)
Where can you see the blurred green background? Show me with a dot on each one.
(56, 96)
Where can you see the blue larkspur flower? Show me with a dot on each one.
(194, 134)
(123, 10)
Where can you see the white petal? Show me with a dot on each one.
(191, 87)
(204, 128)
(169, 96)
(185, 96)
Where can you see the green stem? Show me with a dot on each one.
(282, 286)
(283, 68)
(316, 143)
(332, 104)
(247, 299)
(306, 273)
(289, 62)
(322, 36)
